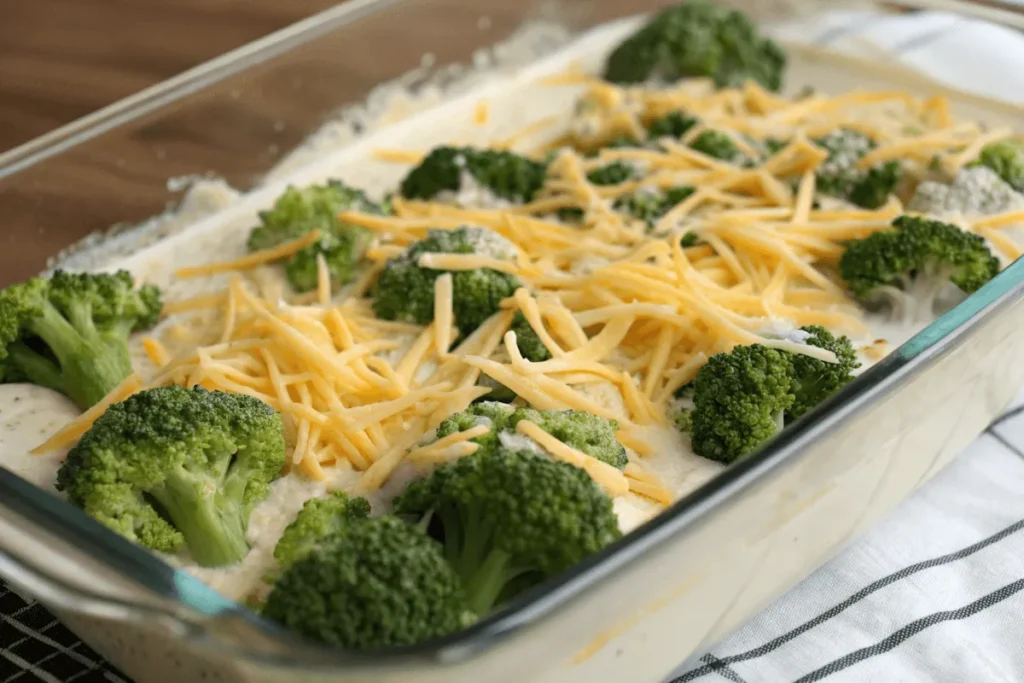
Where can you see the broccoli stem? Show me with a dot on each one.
(36, 368)
(914, 298)
(485, 571)
(485, 585)
(91, 362)
(212, 523)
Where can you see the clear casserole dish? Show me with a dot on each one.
(632, 612)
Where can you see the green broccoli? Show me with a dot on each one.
(740, 401)
(298, 212)
(1006, 158)
(506, 174)
(650, 205)
(815, 380)
(690, 239)
(318, 519)
(171, 465)
(974, 192)
(718, 145)
(694, 39)
(675, 124)
(374, 583)
(874, 187)
(838, 176)
(70, 332)
(621, 141)
(571, 215)
(527, 341)
(591, 434)
(405, 290)
(681, 408)
(510, 519)
(683, 420)
(612, 174)
(911, 267)
(494, 414)
(773, 146)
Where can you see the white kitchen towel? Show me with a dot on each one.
(935, 592)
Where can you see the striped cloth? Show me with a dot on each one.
(935, 592)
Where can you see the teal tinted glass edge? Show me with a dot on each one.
(200, 597)
(959, 315)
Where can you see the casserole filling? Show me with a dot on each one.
(461, 354)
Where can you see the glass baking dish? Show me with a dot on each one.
(634, 611)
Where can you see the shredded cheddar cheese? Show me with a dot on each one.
(626, 312)
(256, 258)
(612, 480)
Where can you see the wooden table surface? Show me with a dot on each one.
(62, 59)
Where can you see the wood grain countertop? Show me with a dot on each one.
(62, 59)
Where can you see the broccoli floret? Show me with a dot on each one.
(375, 583)
(718, 145)
(976, 191)
(405, 291)
(911, 267)
(527, 341)
(1006, 158)
(298, 212)
(497, 391)
(70, 332)
(591, 434)
(318, 519)
(698, 38)
(650, 205)
(681, 408)
(506, 174)
(621, 141)
(740, 401)
(171, 465)
(815, 380)
(672, 125)
(510, 519)
(773, 146)
(494, 414)
(690, 239)
(873, 188)
(571, 215)
(839, 176)
(612, 174)
(683, 420)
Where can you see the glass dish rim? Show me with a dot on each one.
(180, 589)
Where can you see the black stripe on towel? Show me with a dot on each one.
(911, 630)
(850, 601)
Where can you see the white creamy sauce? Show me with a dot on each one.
(520, 442)
(266, 524)
(29, 414)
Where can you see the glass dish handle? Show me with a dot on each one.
(50, 567)
(57, 594)
(76, 566)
